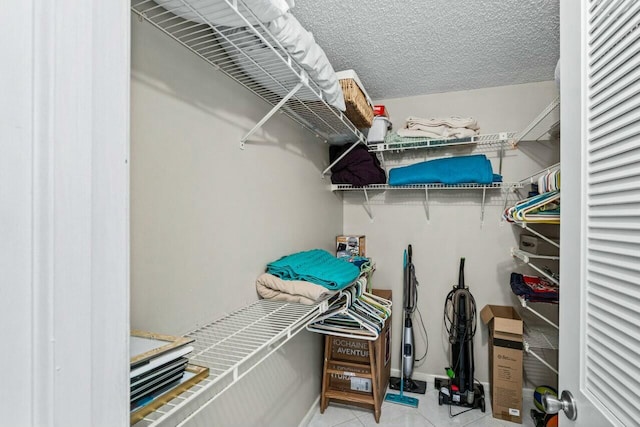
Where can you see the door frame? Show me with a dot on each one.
(64, 210)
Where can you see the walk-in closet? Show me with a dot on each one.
(296, 213)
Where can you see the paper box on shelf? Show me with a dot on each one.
(505, 361)
(355, 355)
(537, 245)
(348, 246)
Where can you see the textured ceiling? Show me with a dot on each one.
(413, 47)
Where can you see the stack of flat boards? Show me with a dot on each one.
(159, 370)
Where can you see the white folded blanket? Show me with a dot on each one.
(303, 48)
(452, 122)
(299, 291)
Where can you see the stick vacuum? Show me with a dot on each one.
(407, 350)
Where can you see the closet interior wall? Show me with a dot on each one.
(207, 216)
(454, 228)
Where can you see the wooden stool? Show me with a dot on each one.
(366, 369)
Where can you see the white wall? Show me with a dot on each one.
(454, 229)
(207, 217)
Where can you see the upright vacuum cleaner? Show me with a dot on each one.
(460, 388)
(410, 300)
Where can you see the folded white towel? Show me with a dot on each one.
(452, 122)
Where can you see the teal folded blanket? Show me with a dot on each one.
(316, 266)
(453, 170)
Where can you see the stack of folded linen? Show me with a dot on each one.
(449, 127)
(317, 266)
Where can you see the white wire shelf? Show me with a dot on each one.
(545, 126)
(541, 336)
(537, 339)
(528, 258)
(527, 305)
(398, 144)
(231, 347)
(504, 186)
(494, 185)
(250, 55)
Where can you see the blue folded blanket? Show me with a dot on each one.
(453, 170)
(316, 266)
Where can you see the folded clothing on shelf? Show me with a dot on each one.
(452, 170)
(446, 127)
(299, 291)
(359, 167)
(317, 266)
(533, 288)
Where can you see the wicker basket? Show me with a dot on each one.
(358, 109)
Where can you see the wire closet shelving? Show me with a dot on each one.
(494, 140)
(231, 347)
(505, 187)
(251, 55)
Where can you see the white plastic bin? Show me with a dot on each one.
(378, 130)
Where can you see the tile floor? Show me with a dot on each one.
(428, 414)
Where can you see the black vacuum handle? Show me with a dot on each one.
(461, 275)
(409, 253)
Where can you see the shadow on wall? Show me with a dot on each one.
(277, 392)
(159, 63)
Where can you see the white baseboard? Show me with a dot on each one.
(310, 413)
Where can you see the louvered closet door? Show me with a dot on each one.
(600, 231)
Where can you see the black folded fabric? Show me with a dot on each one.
(359, 167)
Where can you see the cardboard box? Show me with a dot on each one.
(356, 351)
(505, 361)
(348, 246)
(537, 245)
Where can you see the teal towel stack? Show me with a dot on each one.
(316, 266)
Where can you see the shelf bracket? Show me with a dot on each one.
(524, 304)
(555, 103)
(426, 202)
(503, 140)
(269, 114)
(324, 172)
(382, 160)
(484, 196)
(504, 206)
(527, 348)
(367, 204)
(525, 258)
